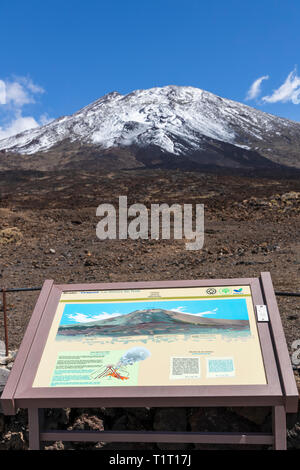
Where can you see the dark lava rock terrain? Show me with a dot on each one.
(48, 231)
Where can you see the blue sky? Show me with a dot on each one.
(217, 308)
(58, 56)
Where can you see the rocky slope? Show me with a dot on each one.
(47, 231)
(163, 127)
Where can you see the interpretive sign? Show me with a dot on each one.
(168, 343)
(167, 336)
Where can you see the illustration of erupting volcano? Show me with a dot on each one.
(119, 371)
(109, 371)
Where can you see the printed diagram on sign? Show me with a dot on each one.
(121, 370)
(110, 371)
(156, 318)
(105, 340)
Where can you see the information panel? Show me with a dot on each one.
(153, 337)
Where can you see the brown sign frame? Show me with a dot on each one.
(280, 392)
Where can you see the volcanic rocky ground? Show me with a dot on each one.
(48, 231)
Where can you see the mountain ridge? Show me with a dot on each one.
(167, 126)
(151, 321)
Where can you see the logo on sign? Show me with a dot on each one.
(211, 291)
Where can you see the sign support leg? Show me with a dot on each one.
(35, 424)
(279, 427)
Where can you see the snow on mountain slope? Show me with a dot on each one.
(176, 119)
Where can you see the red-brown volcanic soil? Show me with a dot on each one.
(48, 231)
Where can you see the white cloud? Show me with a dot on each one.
(44, 119)
(17, 125)
(83, 318)
(209, 312)
(178, 309)
(255, 88)
(200, 314)
(2, 92)
(14, 95)
(288, 91)
(17, 94)
(33, 87)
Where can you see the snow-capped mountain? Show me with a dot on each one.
(176, 121)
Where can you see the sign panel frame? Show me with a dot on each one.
(280, 391)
